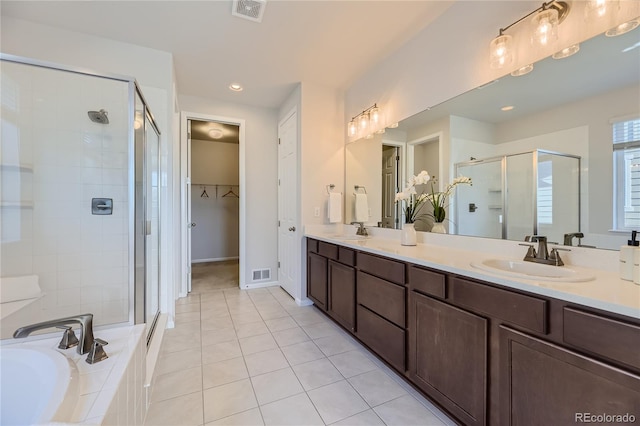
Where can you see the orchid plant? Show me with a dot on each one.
(438, 200)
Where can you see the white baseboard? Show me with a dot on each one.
(214, 259)
(259, 285)
(304, 302)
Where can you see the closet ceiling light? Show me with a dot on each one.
(236, 87)
(215, 133)
(507, 108)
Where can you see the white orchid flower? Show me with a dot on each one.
(422, 178)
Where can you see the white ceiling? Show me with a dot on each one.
(330, 42)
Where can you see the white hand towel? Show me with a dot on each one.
(335, 207)
(361, 208)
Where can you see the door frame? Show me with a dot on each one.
(184, 141)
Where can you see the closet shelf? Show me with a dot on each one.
(494, 207)
(16, 204)
(28, 168)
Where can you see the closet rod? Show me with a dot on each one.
(214, 184)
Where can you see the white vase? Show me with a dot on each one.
(439, 228)
(408, 235)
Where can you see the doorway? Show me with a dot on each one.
(425, 154)
(212, 203)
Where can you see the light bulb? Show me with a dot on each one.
(596, 8)
(374, 116)
(545, 27)
(501, 54)
(353, 128)
(363, 121)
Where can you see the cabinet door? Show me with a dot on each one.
(544, 384)
(317, 279)
(448, 356)
(342, 294)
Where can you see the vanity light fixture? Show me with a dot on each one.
(545, 23)
(623, 28)
(597, 8)
(365, 123)
(567, 51)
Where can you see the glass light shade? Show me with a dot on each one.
(501, 51)
(523, 70)
(567, 51)
(374, 116)
(545, 27)
(363, 121)
(597, 8)
(369, 136)
(380, 131)
(353, 128)
(623, 28)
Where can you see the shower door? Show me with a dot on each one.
(147, 218)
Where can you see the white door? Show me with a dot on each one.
(189, 224)
(288, 241)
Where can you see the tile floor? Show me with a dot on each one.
(256, 358)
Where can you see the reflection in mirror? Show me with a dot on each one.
(540, 188)
(564, 105)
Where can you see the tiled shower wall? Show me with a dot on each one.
(54, 160)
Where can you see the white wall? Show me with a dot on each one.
(364, 161)
(216, 235)
(261, 191)
(153, 69)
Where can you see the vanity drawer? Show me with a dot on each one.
(384, 338)
(312, 245)
(346, 256)
(387, 269)
(518, 309)
(328, 250)
(427, 282)
(613, 339)
(382, 297)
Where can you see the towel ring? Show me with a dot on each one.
(330, 187)
(358, 187)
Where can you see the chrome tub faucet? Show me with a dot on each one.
(86, 325)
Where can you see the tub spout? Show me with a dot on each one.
(86, 325)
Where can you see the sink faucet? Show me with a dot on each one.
(361, 229)
(85, 321)
(542, 255)
(569, 237)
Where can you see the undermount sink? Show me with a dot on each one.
(343, 237)
(532, 270)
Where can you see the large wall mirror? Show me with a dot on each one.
(561, 114)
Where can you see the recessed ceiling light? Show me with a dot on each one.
(236, 87)
(522, 71)
(623, 28)
(507, 108)
(566, 52)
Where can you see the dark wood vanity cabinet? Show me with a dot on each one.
(545, 384)
(448, 356)
(317, 279)
(485, 353)
(342, 294)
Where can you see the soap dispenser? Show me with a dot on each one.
(626, 257)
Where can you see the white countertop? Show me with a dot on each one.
(606, 292)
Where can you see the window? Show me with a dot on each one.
(626, 168)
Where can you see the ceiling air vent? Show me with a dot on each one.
(249, 9)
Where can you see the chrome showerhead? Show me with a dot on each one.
(98, 116)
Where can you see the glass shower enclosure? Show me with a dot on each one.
(516, 195)
(79, 200)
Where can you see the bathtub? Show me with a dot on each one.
(37, 385)
(40, 384)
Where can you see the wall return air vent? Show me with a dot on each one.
(249, 9)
